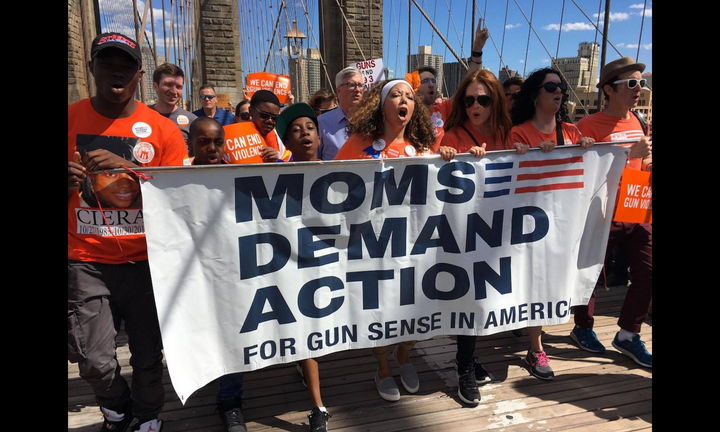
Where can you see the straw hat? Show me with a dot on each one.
(617, 67)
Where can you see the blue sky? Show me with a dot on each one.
(513, 42)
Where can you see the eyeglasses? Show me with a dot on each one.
(265, 116)
(632, 82)
(352, 85)
(550, 87)
(427, 80)
(482, 100)
(206, 96)
(244, 115)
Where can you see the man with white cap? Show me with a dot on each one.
(622, 83)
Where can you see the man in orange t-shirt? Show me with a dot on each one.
(108, 271)
(621, 81)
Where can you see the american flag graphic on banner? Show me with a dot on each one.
(505, 178)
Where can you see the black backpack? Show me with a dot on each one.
(641, 119)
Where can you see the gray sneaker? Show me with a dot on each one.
(408, 376)
(387, 388)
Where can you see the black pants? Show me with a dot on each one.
(465, 350)
(99, 297)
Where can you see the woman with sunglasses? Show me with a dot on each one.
(540, 108)
(387, 123)
(242, 111)
(478, 122)
(323, 101)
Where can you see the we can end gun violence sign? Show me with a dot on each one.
(261, 264)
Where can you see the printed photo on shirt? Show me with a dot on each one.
(110, 190)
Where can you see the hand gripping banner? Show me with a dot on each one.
(261, 264)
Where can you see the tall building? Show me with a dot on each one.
(506, 73)
(453, 73)
(314, 71)
(582, 70)
(305, 75)
(425, 57)
(389, 73)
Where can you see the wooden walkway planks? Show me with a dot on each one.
(607, 392)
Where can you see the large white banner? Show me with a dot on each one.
(260, 264)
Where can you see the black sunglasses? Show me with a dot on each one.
(207, 96)
(550, 87)
(482, 100)
(265, 116)
(245, 115)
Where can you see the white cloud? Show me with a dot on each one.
(512, 26)
(634, 46)
(569, 26)
(614, 16)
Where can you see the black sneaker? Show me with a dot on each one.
(467, 385)
(118, 426)
(318, 420)
(482, 376)
(231, 415)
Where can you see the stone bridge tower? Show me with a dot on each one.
(347, 33)
(218, 60)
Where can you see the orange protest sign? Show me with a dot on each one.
(223, 100)
(634, 203)
(278, 84)
(243, 143)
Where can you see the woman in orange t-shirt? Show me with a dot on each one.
(387, 123)
(540, 108)
(479, 121)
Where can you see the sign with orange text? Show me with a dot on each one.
(278, 84)
(635, 197)
(243, 143)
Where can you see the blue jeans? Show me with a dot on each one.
(230, 387)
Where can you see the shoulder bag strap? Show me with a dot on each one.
(471, 135)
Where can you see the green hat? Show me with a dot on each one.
(289, 114)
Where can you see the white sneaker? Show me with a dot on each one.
(153, 425)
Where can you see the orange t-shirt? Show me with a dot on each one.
(438, 114)
(526, 133)
(116, 235)
(459, 139)
(606, 128)
(359, 147)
